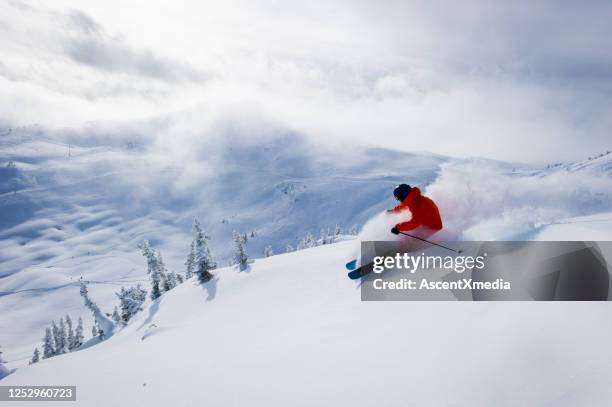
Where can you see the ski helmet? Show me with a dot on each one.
(401, 191)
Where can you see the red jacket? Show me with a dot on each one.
(424, 212)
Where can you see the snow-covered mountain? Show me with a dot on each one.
(70, 210)
(293, 331)
(77, 203)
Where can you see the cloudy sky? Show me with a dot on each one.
(526, 81)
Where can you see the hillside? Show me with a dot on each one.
(72, 210)
(293, 331)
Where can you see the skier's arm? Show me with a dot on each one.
(407, 226)
(397, 209)
(413, 223)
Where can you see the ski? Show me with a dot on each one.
(351, 265)
(361, 271)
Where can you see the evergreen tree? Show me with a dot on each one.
(172, 280)
(155, 290)
(353, 230)
(289, 248)
(190, 263)
(61, 342)
(130, 301)
(70, 334)
(101, 333)
(152, 269)
(240, 255)
(116, 316)
(78, 335)
(324, 238)
(163, 273)
(337, 232)
(203, 258)
(35, 356)
(307, 242)
(94, 330)
(48, 345)
(179, 278)
(3, 369)
(57, 339)
(268, 251)
(105, 324)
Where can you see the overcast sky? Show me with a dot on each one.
(520, 80)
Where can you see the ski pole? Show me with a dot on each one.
(435, 244)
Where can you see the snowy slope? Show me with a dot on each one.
(293, 331)
(65, 216)
(76, 204)
(593, 227)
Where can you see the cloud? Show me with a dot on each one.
(93, 47)
(513, 81)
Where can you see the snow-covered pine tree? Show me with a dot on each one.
(101, 333)
(57, 340)
(61, 347)
(78, 335)
(307, 242)
(155, 290)
(152, 268)
(35, 356)
(94, 330)
(240, 256)
(48, 346)
(337, 232)
(70, 334)
(149, 255)
(310, 241)
(179, 278)
(3, 369)
(165, 285)
(130, 301)
(116, 316)
(353, 231)
(171, 280)
(105, 324)
(268, 251)
(203, 258)
(323, 236)
(289, 249)
(190, 263)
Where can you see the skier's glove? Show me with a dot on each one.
(395, 230)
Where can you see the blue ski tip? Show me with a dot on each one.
(354, 275)
(351, 265)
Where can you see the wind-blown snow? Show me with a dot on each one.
(485, 200)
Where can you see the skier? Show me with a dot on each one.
(424, 223)
(425, 213)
